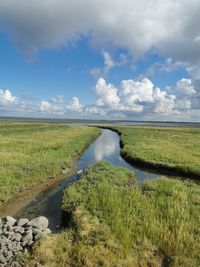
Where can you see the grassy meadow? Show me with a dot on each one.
(31, 153)
(175, 149)
(115, 223)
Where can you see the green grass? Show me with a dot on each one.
(115, 223)
(30, 153)
(175, 149)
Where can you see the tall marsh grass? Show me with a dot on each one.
(115, 223)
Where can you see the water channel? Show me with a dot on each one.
(105, 147)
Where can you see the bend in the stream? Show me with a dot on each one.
(105, 147)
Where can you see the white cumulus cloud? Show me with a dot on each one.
(135, 91)
(6, 98)
(134, 96)
(75, 106)
(57, 106)
(163, 103)
(185, 86)
(131, 98)
(107, 94)
(45, 106)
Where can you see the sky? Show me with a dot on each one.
(100, 59)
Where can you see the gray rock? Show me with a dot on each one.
(38, 234)
(10, 221)
(36, 231)
(47, 231)
(22, 222)
(27, 229)
(11, 246)
(18, 229)
(24, 243)
(28, 236)
(2, 259)
(6, 233)
(20, 248)
(8, 255)
(4, 240)
(40, 223)
(10, 228)
(30, 243)
(15, 264)
(4, 228)
(17, 236)
(1, 223)
(17, 248)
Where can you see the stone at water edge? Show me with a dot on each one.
(22, 222)
(47, 231)
(40, 223)
(39, 234)
(10, 221)
(28, 236)
(80, 172)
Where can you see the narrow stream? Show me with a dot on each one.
(105, 147)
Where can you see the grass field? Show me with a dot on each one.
(115, 223)
(30, 153)
(175, 149)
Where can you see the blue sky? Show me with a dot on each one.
(58, 62)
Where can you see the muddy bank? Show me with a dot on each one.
(16, 203)
(161, 168)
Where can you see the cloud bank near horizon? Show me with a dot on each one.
(131, 99)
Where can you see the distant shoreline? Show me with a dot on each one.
(101, 122)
